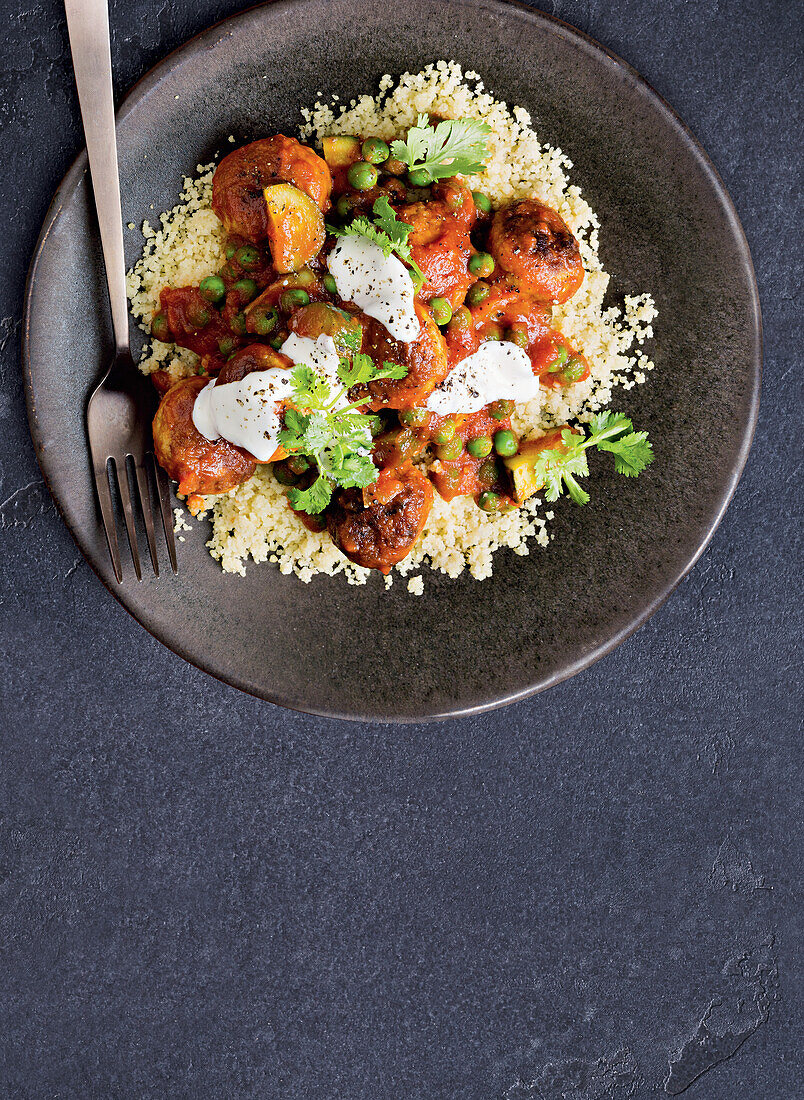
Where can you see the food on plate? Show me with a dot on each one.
(370, 355)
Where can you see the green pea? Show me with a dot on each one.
(420, 177)
(574, 370)
(198, 315)
(482, 263)
(160, 329)
(477, 293)
(407, 443)
(293, 299)
(226, 346)
(489, 501)
(493, 332)
(265, 321)
(505, 443)
(238, 324)
(228, 272)
(413, 418)
(315, 523)
(283, 474)
(442, 311)
(517, 335)
(559, 360)
(448, 452)
(304, 277)
(488, 472)
(298, 464)
(248, 257)
(276, 342)
(362, 175)
(230, 251)
(501, 409)
(480, 447)
(330, 285)
(482, 202)
(247, 290)
(395, 190)
(461, 320)
(374, 150)
(394, 167)
(344, 206)
(212, 288)
(444, 432)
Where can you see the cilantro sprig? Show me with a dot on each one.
(456, 145)
(386, 230)
(558, 468)
(337, 439)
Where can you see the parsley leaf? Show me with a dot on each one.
(387, 231)
(453, 146)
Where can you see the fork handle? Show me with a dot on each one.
(88, 27)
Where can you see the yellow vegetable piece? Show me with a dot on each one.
(295, 226)
(522, 464)
(341, 151)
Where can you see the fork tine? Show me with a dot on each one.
(128, 516)
(101, 472)
(163, 492)
(147, 512)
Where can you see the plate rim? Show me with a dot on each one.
(132, 98)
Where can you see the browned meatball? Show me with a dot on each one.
(240, 177)
(250, 358)
(425, 357)
(377, 527)
(200, 465)
(531, 241)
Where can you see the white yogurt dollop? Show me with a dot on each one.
(497, 371)
(381, 285)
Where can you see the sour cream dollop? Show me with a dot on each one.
(381, 285)
(497, 371)
(247, 413)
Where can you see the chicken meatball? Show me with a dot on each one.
(239, 180)
(531, 241)
(377, 527)
(425, 358)
(200, 465)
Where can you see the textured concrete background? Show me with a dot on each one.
(590, 895)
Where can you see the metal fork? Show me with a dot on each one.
(121, 406)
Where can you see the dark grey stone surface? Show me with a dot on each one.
(594, 894)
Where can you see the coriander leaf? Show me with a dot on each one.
(632, 453)
(312, 500)
(607, 424)
(389, 234)
(362, 227)
(453, 146)
(386, 220)
(392, 370)
(318, 433)
(356, 471)
(361, 369)
(579, 495)
(310, 390)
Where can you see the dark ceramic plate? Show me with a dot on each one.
(667, 225)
